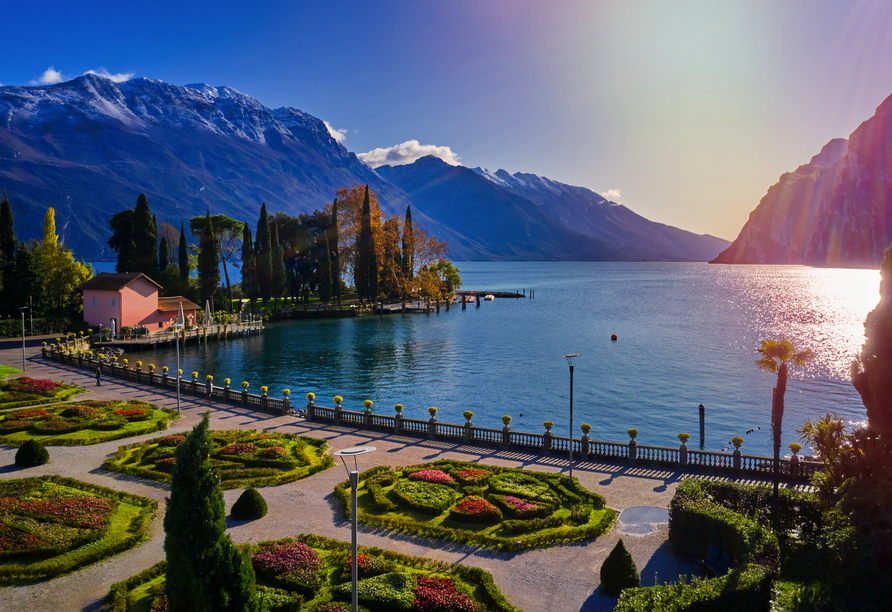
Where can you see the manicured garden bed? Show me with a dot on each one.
(26, 391)
(497, 507)
(86, 422)
(311, 573)
(52, 525)
(243, 458)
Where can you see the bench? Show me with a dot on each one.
(717, 562)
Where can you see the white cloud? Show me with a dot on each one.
(117, 78)
(50, 77)
(407, 153)
(338, 135)
(612, 194)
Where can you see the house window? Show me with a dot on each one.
(113, 301)
(160, 325)
(94, 301)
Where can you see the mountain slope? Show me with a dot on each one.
(513, 227)
(589, 213)
(834, 211)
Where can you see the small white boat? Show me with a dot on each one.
(489, 298)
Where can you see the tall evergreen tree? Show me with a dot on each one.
(183, 254)
(206, 572)
(25, 281)
(7, 232)
(145, 238)
(263, 254)
(408, 246)
(335, 256)
(872, 370)
(122, 239)
(208, 268)
(278, 263)
(325, 271)
(163, 255)
(366, 257)
(249, 266)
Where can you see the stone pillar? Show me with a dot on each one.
(794, 464)
(398, 423)
(633, 450)
(311, 410)
(337, 414)
(736, 460)
(286, 405)
(506, 436)
(194, 385)
(226, 392)
(164, 379)
(683, 456)
(263, 400)
(244, 397)
(367, 418)
(468, 433)
(432, 427)
(586, 445)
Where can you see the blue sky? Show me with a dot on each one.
(689, 110)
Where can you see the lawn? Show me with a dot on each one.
(81, 423)
(26, 391)
(502, 508)
(243, 458)
(6, 371)
(313, 573)
(52, 525)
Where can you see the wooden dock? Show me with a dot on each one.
(195, 334)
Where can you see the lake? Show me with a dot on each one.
(687, 334)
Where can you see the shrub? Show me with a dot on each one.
(518, 508)
(440, 595)
(165, 465)
(434, 476)
(368, 566)
(385, 593)
(618, 571)
(31, 453)
(292, 561)
(272, 452)
(249, 506)
(57, 426)
(172, 440)
(109, 424)
(424, 497)
(237, 449)
(79, 411)
(475, 509)
(472, 477)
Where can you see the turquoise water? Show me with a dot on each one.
(687, 335)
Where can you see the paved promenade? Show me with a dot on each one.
(558, 579)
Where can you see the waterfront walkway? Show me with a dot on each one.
(559, 579)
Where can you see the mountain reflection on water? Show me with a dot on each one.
(687, 335)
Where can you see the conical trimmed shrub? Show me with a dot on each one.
(31, 453)
(618, 571)
(249, 506)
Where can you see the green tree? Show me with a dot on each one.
(183, 255)
(163, 254)
(7, 249)
(249, 267)
(777, 355)
(367, 261)
(145, 239)
(325, 271)
(872, 370)
(408, 246)
(827, 435)
(122, 240)
(333, 249)
(208, 267)
(277, 271)
(228, 233)
(618, 571)
(263, 254)
(206, 572)
(25, 280)
(61, 273)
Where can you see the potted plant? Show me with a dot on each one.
(633, 433)
(737, 441)
(684, 437)
(548, 425)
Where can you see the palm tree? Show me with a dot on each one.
(776, 356)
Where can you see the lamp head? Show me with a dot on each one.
(570, 357)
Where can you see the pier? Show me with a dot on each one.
(194, 334)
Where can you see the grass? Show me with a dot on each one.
(90, 430)
(6, 371)
(138, 593)
(126, 527)
(305, 457)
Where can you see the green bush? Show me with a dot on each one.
(31, 453)
(249, 506)
(618, 571)
(425, 497)
(385, 593)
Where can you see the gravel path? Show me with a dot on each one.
(561, 578)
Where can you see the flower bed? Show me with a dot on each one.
(415, 584)
(368, 566)
(26, 391)
(434, 476)
(87, 422)
(47, 523)
(513, 509)
(240, 462)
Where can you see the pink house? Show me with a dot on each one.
(128, 300)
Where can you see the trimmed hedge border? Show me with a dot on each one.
(325, 462)
(509, 544)
(492, 597)
(63, 396)
(95, 551)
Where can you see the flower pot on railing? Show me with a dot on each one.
(195, 382)
(398, 419)
(337, 412)
(311, 407)
(432, 422)
(794, 460)
(736, 459)
(506, 432)
(547, 438)
(264, 399)
(286, 401)
(468, 433)
(633, 445)
(367, 415)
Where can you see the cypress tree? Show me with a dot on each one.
(278, 263)
(408, 246)
(249, 266)
(335, 258)
(206, 572)
(7, 232)
(183, 254)
(145, 238)
(208, 268)
(618, 571)
(122, 239)
(367, 259)
(872, 370)
(325, 270)
(263, 254)
(163, 255)
(25, 280)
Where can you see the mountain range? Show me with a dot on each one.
(90, 146)
(835, 210)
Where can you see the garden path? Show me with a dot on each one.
(558, 579)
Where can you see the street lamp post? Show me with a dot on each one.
(22, 310)
(569, 359)
(354, 484)
(178, 326)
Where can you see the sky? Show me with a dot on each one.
(684, 111)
